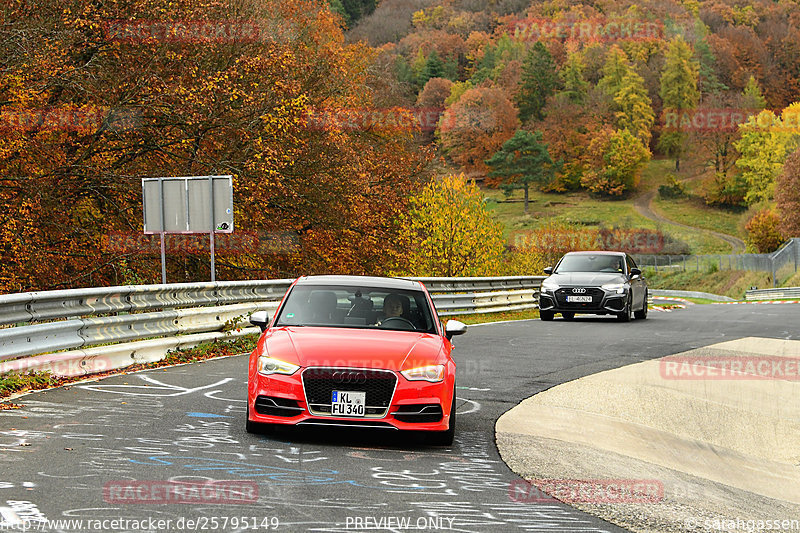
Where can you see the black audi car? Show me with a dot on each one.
(597, 283)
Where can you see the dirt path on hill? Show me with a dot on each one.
(643, 207)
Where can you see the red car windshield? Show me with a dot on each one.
(356, 307)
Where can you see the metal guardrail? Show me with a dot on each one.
(773, 294)
(40, 324)
(458, 296)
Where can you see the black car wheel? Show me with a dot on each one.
(641, 315)
(568, 315)
(546, 315)
(445, 438)
(626, 314)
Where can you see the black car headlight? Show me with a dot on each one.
(549, 286)
(619, 288)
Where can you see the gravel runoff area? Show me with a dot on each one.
(721, 445)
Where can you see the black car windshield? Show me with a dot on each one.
(356, 307)
(591, 263)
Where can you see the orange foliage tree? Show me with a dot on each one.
(763, 232)
(787, 195)
(476, 126)
(164, 102)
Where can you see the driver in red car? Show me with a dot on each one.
(392, 305)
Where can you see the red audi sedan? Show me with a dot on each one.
(354, 351)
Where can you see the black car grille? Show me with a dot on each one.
(596, 294)
(319, 384)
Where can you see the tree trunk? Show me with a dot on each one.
(526, 199)
(677, 164)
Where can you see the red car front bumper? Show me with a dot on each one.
(415, 405)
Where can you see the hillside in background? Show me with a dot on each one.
(708, 85)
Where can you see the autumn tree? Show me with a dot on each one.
(418, 66)
(569, 130)
(494, 56)
(752, 98)
(739, 54)
(763, 232)
(431, 104)
(522, 161)
(434, 68)
(678, 93)
(635, 112)
(539, 80)
(448, 231)
(618, 161)
(572, 77)
(787, 196)
(707, 80)
(456, 90)
(614, 70)
(240, 103)
(476, 126)
(766, 140)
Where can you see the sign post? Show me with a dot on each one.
(188, 205)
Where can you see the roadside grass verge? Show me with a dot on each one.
(701, 301)
(731, 283)
(526, 314)
(17, 382)
(793, 281)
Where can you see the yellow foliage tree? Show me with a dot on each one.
(449, 232)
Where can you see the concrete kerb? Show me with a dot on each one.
(720, 447)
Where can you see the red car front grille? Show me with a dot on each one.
(319, 384)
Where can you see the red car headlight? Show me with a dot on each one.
(269, 365)
(432, 373)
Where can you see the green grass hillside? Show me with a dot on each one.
(580, 209)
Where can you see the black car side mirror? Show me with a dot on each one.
(548, 270)
(636, 272)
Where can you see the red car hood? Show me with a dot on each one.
(361, 348)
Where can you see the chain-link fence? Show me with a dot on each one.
(781, 263)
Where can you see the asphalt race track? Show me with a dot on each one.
(67, 452)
